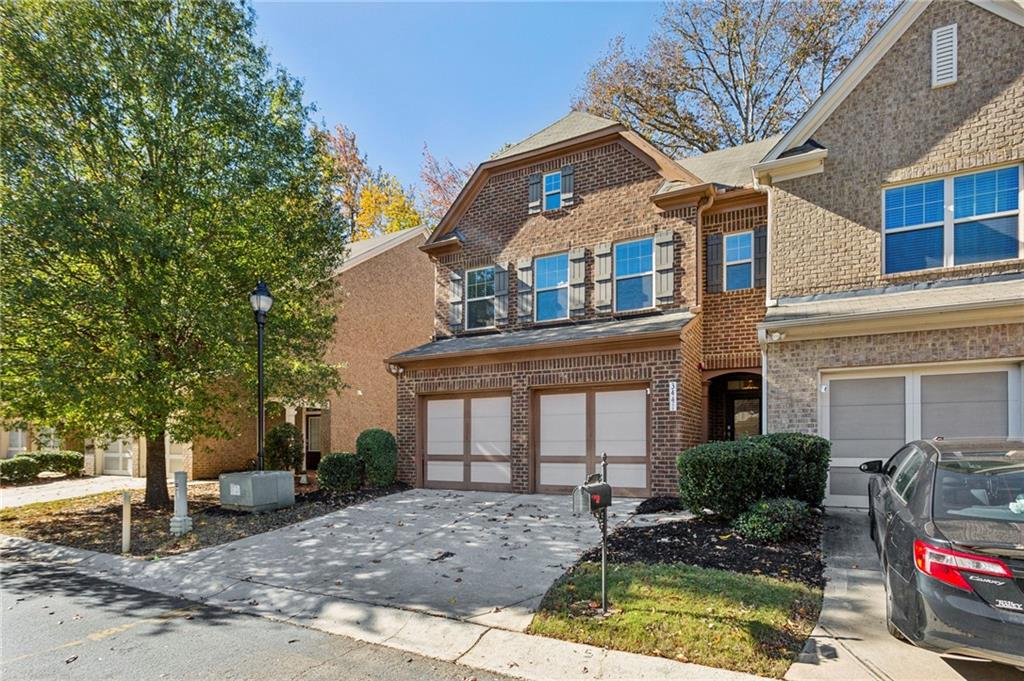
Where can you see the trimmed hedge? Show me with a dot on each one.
(20, 469)
(807, 461)
(340, 472)
(379, 452)
(725, 478)
(283, 448)
(69, 463)
(773, 520)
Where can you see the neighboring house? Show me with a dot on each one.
(384, 305)
(896, 280)
(595, 296)
(20, 439)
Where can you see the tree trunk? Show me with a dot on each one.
(156, 472)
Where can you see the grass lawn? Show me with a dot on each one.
(717, 618)
(94, 522)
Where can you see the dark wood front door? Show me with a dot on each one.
(742, 414)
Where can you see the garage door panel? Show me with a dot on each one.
(620, 426)
(965, 405)
(445, 427)
(627, 476)
(562, 474)
(445, 471)
(563, 425)
(491, 426)
(866, 448)
(491, 472)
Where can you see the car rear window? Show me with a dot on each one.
(984, 487)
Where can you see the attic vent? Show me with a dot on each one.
(944, 56)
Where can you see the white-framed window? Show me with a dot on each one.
(738, 271)
(17, 442)
(552, 287)
(962, 219)
(552, 190)
(634, 275)
(480, 298)
(48, 440)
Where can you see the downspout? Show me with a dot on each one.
(704, 204)
(768, 301)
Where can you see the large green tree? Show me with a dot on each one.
(154, 165)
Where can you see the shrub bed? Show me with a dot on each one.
(725, 478)
(807, 460)
(379, 452)
(68, 463)
(20, 469)
(773, 520)
(340, 472)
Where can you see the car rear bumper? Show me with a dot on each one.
(956, 621)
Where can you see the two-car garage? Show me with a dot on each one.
(467, 440)
(868, 414)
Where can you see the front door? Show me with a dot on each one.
(312, 441)
(742, 414)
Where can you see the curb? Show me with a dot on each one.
(535, 658)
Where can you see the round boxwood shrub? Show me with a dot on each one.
(725, 478)
(807, 461)
(19, 469)
(68, 463)
(379, 452)
(773, 520)
(283, 448)
(340, 472)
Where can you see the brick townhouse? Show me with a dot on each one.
(596, 296)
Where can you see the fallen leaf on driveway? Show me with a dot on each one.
(71, 659)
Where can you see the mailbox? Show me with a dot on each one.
(591, 497)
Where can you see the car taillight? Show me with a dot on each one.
(945, 565)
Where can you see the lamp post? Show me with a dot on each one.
(261, 302)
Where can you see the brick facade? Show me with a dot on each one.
(612, 203)
(668, 430)
(792, 367)
(894, 127)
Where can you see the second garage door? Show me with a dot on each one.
(574, 427)
(468, 442)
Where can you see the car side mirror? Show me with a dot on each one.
(871, 466)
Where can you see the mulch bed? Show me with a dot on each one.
(94, 522)
(713, 544)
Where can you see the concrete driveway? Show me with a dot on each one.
(850, 641)
(476, 556)
(67, 488)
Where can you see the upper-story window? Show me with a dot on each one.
(553, 191)
(552, 287)
(958, 220)
(480, 298)
(739, 261)
(634, 275)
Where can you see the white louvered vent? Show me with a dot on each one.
(944, 56)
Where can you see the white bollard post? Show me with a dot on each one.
(180, 523)
(126, 521)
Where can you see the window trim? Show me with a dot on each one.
(544, 193)
(466, 300)
(616, 278)
(949, 222)
(537, 290)
(726, 263)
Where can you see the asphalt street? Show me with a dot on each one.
(56, 623)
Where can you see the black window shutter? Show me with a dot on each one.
(714, 263)
(760, 257)
(568, 185)
(534, 184)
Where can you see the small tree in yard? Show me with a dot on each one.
(153, 166)
(284, 448)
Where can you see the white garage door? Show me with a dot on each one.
(468, 443)
(117, 456)
(869, 414)
(575, 428)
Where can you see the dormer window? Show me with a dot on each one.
(480, 298)
(553, 191)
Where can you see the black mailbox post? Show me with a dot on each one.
(595, 496)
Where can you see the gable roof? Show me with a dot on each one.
(574, 124)
(577, 130)
(865, 60)
(729, 167)
(360, 251)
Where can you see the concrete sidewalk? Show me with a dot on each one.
(67, 488)
(501, 651)
(850, 641)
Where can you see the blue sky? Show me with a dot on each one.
(463, 77)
